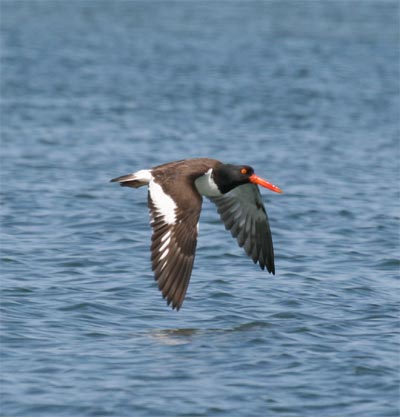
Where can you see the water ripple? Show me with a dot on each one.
(89, 93)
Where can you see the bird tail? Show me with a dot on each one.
(135, 180)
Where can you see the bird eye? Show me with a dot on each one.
(243, 171)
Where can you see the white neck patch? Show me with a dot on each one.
(163, 203)
(206, 186)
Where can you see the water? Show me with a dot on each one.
(305, 92)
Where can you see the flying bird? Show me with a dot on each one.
(175, 191)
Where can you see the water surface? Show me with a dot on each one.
(305, 92)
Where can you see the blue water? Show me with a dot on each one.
(305, 92)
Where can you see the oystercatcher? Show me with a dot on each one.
(175, 193)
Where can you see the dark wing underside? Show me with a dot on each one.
(243, 213)
(173, 246)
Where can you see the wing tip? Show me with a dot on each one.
(175, 305)
(270, 266)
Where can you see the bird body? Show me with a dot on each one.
(175, 193)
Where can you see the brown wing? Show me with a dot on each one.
(174, 221)
(243, 213)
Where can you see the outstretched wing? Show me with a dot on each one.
(243, 213)
(174, 238)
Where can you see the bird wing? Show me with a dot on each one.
(243, 213)
(174, 238)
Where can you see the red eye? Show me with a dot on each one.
(243, 171)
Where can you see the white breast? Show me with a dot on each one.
(206, 186)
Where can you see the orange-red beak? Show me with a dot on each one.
(257, 180)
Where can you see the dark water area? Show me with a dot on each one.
(305, 92)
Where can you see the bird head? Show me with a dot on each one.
(228, 176)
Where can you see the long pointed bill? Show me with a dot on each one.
(257, 180)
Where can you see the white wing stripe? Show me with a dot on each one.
(164, 255)
(164, 245)
(166, 236)
(163, 203)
